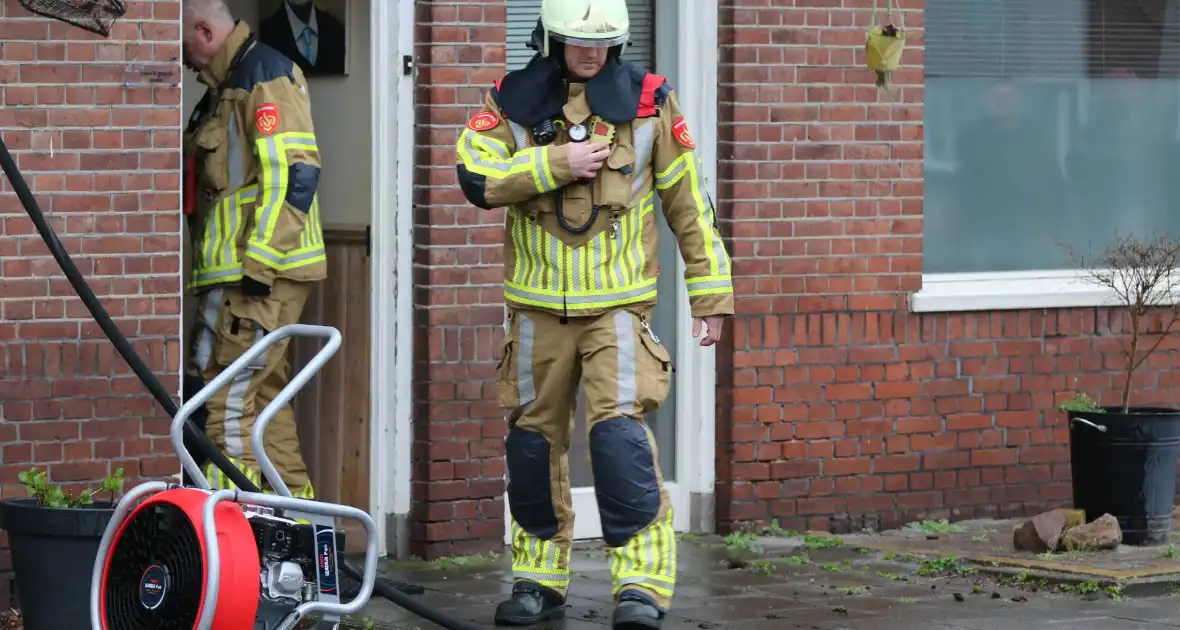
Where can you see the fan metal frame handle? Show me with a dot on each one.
(286, 394)
(243, 363)
(122, 509)
(213, 559)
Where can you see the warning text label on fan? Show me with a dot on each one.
(325, 543)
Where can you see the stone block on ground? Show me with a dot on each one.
(1041, 533)
(1103, 533)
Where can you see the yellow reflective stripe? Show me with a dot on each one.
(219, 481)
(538, 560)
(669, 176)
(709, 285)
(489, 157)
(543, 176)
(647, 560)
(606, 271)
(687, 164)
(272, 157)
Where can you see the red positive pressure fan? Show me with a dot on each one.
(155, 570)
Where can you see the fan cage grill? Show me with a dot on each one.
(162, 535)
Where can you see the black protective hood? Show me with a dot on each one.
(537, 91)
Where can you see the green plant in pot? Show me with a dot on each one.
(1124, 457)
(54, 536)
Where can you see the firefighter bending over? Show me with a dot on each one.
(252, 171)
(578, 145)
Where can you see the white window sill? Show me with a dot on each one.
(999, 291)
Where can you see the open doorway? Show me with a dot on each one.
(333, 412)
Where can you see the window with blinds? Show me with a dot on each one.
(1057, 38)
(1047, 122)
(522, 19)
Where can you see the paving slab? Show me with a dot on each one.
(842, 587)
(987, 545)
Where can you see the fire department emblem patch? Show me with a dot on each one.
(483, 121)
(680, 132)
(266, 118)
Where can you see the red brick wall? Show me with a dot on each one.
(102, 160)
(843, 409)
(458, 428)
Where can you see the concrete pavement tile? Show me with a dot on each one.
(734, 609)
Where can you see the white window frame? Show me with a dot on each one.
(392, 309)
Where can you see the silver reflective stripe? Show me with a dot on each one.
(709, 284)
(644, 142)
(672, 175)
(230, 244)
(210, 314)
(231, 272)
(236, 155)
(235, 403)
(625, 337)
(707, 209)
(555, 263)
(520, 136)
(284, 260)
(526, 386)
(213, 231)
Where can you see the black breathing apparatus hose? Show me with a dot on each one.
(193, 434)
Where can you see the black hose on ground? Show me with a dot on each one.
(193, 434)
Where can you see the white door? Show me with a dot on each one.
(670, 322)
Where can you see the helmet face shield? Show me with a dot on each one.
(590, 43)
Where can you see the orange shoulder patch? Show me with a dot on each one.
(266, 118)
(680, 132)
(483, 121)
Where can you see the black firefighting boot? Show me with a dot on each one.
(636, 610)
(530, 603)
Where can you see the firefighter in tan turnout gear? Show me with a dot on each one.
(580, 146)
(252, 171)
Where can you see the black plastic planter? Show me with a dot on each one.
(1124, 464)
(53, 552)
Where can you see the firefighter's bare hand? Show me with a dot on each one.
(586, 158)
(712, 330)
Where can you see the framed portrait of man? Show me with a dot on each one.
(313, 33)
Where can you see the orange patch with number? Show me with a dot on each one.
(680, 132)
(266, 118)
(483, 121)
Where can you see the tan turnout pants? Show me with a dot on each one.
(229, 323)
(626, 374)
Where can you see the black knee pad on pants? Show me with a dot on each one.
(625, 480)
(529, 495)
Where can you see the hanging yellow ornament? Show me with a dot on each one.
(885, 44)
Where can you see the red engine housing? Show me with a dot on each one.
(239, 589)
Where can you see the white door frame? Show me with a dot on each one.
(391, 272)
(696, 369)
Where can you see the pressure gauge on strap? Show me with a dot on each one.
(578, 133)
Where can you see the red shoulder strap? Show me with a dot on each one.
(647, 95)
(498, 82)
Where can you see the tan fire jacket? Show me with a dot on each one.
(615, 261)
(252, 152)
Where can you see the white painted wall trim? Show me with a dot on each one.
(696, 91)
(998, 291)
(392, 277)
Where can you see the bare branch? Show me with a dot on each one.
(1144, 276)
